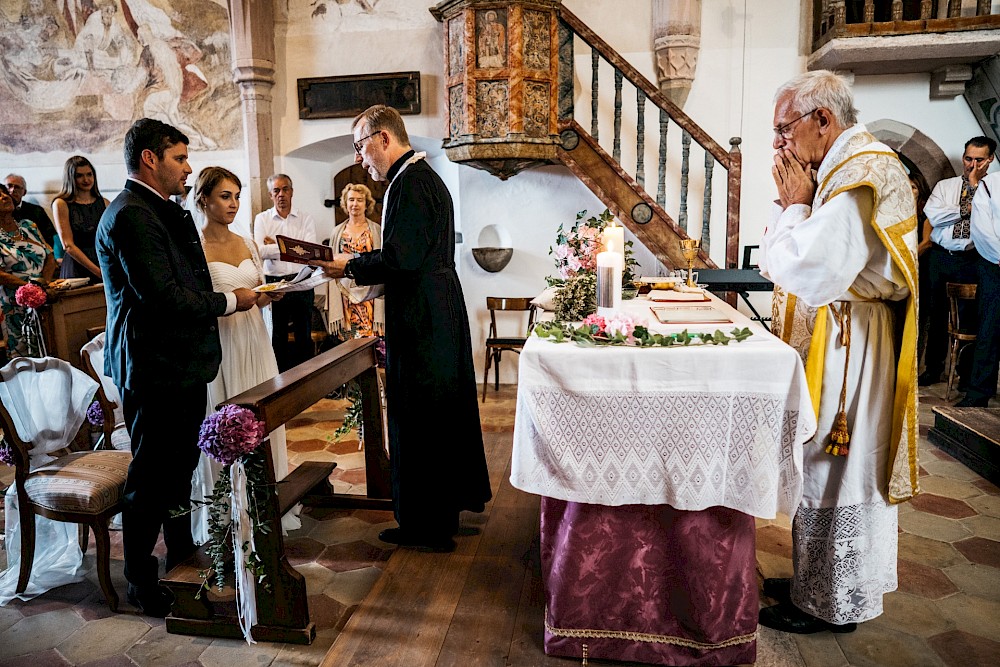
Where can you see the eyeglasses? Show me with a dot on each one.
(357, 144)
(785, 131)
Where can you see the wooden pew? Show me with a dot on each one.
(282, 612)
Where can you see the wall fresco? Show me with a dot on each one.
(74, 74)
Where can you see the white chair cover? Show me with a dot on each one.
(95, 349)
(30, 389)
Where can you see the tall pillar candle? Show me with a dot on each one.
(614, 240)
(609, 282)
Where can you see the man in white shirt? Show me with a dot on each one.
(986, 235)
(295, 309)
(952, 256)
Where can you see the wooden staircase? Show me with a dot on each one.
(623, 190)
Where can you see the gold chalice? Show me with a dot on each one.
(690, 249)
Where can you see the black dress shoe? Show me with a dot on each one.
(437, 544)
(151, 600)
(789, 618)
(973, 403)
(778, 589)
(475, 508)
(927, 378)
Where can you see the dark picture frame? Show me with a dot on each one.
(347, 96)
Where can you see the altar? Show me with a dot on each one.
(652, 464)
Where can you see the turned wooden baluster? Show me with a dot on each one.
(983, 7)
(869, 11)
(925, 9)
(954, 8)
(616, 151)
(839, 14)
(640, 137)
(594, 62)
(706, 207)
(897, 10)
(661, 187)
(682, 216)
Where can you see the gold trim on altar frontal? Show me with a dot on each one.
(645, 637)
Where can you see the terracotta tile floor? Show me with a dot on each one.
(946, 611)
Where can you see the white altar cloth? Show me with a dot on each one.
(692, 427)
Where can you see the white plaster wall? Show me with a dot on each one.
(748, 49)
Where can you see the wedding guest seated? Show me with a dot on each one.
(77, 210)
(24, 257)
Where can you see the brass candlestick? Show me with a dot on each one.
(690, 249)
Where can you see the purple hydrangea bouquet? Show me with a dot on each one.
(232, 436)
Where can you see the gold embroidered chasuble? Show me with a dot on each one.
(862, 162)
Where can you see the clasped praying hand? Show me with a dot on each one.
(796, 180)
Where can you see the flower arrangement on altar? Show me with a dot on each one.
(575, 255)
(32, 297)
(622, 329)
(232, 436)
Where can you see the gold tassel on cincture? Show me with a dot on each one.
(840, 436)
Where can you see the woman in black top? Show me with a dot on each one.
(77, 209)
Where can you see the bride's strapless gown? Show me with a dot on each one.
(247, 360)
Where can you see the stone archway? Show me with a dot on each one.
(919, 152)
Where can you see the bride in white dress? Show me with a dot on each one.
(247, 356)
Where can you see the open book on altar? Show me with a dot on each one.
(674, 295)
(689, 315)
(308, 278)
(302, 252)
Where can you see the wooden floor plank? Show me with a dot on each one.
(404, 619)
(480, 632)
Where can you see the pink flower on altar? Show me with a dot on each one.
(595, 320)
(561, 251)
(574, 264)
(229, 433)
(620, 323)
(589, 232)
(30, 296)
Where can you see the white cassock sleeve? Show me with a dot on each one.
(817, 255)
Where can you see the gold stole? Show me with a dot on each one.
(865, 163)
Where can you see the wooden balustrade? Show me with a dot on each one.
(603, 56)
(834, 19)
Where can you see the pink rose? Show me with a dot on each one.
(595, 320)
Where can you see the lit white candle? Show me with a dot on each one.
(609, 282)
(614, 240)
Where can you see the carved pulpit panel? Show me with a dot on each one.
(501, 70)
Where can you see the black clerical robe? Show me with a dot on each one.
(436, 454)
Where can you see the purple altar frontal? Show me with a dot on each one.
(649, 583)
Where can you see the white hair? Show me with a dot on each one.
(821, 89)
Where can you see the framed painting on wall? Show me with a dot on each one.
(347, 96)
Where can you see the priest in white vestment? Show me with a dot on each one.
(841, 252)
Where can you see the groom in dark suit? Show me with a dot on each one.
(162, 347)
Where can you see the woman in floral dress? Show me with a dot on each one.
(24, 256)
(352, 313)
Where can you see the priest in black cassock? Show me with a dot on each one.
(436, 454)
